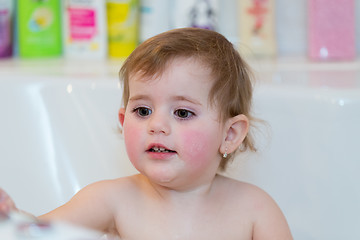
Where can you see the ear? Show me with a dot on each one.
(235, 131)
(121, 116)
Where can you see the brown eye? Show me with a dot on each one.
(143, 111)
(183, 113)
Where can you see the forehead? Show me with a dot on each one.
(178, 72)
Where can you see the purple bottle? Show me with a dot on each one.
(5, 29)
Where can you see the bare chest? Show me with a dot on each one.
(196, 225)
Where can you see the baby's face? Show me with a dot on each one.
(171, 132)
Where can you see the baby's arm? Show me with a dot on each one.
(91, 207)
(270, 222)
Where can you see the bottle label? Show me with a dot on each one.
(41, 19)
(39, 28)
(82, 23)
(122, 27)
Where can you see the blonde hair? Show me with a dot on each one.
(232, 88)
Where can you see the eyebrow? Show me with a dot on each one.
(139, 97)
(186, 99)
(175, 98)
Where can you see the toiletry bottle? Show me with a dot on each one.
(195, 13)
(154, 18)
(6, 26)
(331, 29)
(85, 29)
(39, 27)
(257, 28)
(123, 27)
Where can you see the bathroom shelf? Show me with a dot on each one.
(292, 70)
(303, 64)
(60, 67)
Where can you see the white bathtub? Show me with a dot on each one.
(58, 130)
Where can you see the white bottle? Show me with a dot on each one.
(154, 18)
(85, 29)
(195, 13)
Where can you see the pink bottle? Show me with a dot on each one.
(331, 29)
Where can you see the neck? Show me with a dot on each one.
(191, 192)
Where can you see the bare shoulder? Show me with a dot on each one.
(113, 186)
(121, 188)
(268, 220)
(112, 193)
(95, 205)
(246, 191)
(104, 190)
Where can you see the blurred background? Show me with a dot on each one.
(60, 93)
(98, 29)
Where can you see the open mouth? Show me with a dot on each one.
(160, 150)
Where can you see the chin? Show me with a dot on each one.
(161, 176)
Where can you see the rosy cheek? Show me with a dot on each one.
(198, 147)
(132, 137)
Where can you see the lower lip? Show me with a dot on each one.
(161, 155)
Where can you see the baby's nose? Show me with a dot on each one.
(159, 124)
